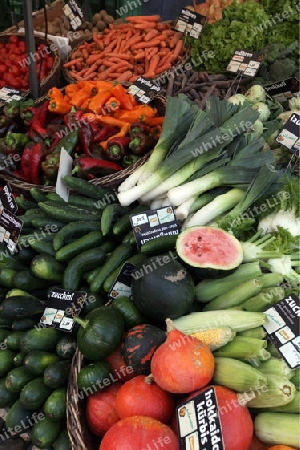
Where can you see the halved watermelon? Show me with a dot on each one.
(209, 248)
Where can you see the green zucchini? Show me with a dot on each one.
(6, 277)
(66, 346)
(45, 432)
(56, 375)
(19, 417)
(6, 361)
(13, 340)
(93, 301)
(74, 229)
(78, 246)
(109, 215)
(46, 267)
(5, 323)
(86, 187)
(17, 378)
(91, 375)
(37, 361)
(21, 306)
(131, 315)
(3, 334)
(19, 359)
(23, 324)
(34, 394)
(43, 247)
(119, 255)
(123, 225)
(26, 280)
(63, 441)
(55, 405)
(7, 398)
(44, 339)
(84, 262)
(129, 238)
(55, 225)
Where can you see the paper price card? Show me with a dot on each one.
(154, 223)
(74, 13)
(7, 199)
(245, 62)
(144, 90)
(190, 23)
(283, 328)
(284, 90)
(289, 136)
(62, 306)
(10, 229)
(199, 423)
(122, 284)
(8, 94)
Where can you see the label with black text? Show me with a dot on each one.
(289, 136)
(144, 90)
(284, 90)
(245, 62)
(75, 14)
(10, 229)
(190, 23)
(7, 94)
(122, 284)
(7, 200)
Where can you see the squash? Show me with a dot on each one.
(137, 433)
(118, 367)
(101, 411)
(100, 333)
(139, 346)
(142, 396)
(182, 364)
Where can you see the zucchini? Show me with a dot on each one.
(127, 309)
(66, 346)
(86, 242)
(86, 187)
(63, 441)
(44, 339)
(109, 215)
(67, 213)
(3, 334)
(19, 359)
(6, 361)
(56, 375)
(15, 291)
(34, 394)
(73, 229)
(18, 415)
(5, 323)
(45, 432)
(17, 378)
(26, 280)
(55, 405)
(6, 277)
(84, 262)
(37, 361)
(6, 398)
(134, 259)
(123, 225)
(21, 306)
(13, 340)
(119, 255)
(159, 245)
(46, 267)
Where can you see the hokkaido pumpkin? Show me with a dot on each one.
(100, 409)
(142, 396)
(118, 367)
(139, 433)
(281, 447)
(258, 445)
(236, 422)
(182, 364)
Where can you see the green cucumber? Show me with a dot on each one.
(43, 247)
(23, 203)
(68, 213)
(159, 245)
(6, 360)
(55, 405)
(17, 378)
(34, 394)
(23, 324)
(56, 375)
(131, 315)
(44, 339)
(25, 254)
(129, 238)
(37, 361)
(15, 292)
(26, 280)
(86, 187)
(27, 218)
(46, 267)
(74, 229)
(109, 215)
(7, 398)
(119, 255)
(66, 346)
(21, 306)
(123, 225)
(37, 194)
(13, 340)
(45, 432)
(78, 246)
(135, 259)
(83, 263)
(73, 199)
(19, 359)
(55, 225)
(18, 417)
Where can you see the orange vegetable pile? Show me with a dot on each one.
(212, 9)
(142, 46)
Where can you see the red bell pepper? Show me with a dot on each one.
(37, 155)
(84, 166)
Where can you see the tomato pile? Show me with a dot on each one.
(14, 62)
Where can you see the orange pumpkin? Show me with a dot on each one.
(119, 369)
(142, 396)
(100, 409)
(258, 445)
(139, 432)
(281, 447)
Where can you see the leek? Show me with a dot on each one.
(284, 265)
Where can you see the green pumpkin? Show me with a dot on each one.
(100, 333)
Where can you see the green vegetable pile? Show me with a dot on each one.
(247, 26)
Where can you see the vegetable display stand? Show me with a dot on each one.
(54, 76)
(79, 435)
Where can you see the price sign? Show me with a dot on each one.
(7, 94)
(283, 329)
(62, 307)
(289, 136)
(245, 62)
(284, 90)
(75, 14)
(190, 23)
(7, 199)
(10, 229)
(122, 284)
(144, 90)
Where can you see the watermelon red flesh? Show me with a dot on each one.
(209, 247)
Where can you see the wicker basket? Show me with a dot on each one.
(54, 78)
(79, 435)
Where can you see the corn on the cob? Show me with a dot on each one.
(271, 279)
(280, 391)
(273, 350)
(278, 428)
(215, 337)
(245, 349)
(264, 300)
(292, 407)
(296, 378)
(238, 375)
(236, 320)
(257, 333)
(235, 296)
(207, 290)
(276, 366)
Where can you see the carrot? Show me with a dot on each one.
(125, 76)
(143, 25)
(135, 19)
(154, 61)
(177, 50)
(94, 57)
(133, 40)
(73, 62)
(91, 69)
(167, 33)
(150, 35)
(175, 38)
(119, 55)
(75, 75)
(139, 56)
(154, 43)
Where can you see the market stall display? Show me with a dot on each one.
(142, 297)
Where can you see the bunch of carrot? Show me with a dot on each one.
(143, 46)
